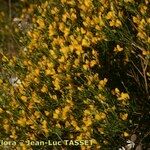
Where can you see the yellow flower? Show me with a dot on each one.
(146, 52)
(66, 32)
(87, 112)
(54, 10)
(50, 65)
(57, 111)
(118, 48)
(58, 125)
(94, 141)
(101, 130)
(83, 31)
(51, 31)
(31, 136)
(36, 80)
(22, 121)
(65, 50)
(6, 127)
(76, 62)
(112, 23)
(66, 108)
(93, 63)
(1, 110)
(64, 17)
(141, 34)
(77, 128)
(87, 121)
(54, 97)
(100, 116)
(13, 134)
(85, 66)
(102, 83)
(50, 72)
(123, 96)
(56, 114)
(44, 127)
(136, 19)
(56, 83)
(35, 100)
(91, 107)
(29, 122)
(74, 123)
(124, 116)
(23, 146)
(61, 26)
(117, 91)
(85, 43)
(41, 23)
(64, 115)
(126, 134)
(44, 89)
(79, 137)
(5, 59)
(47, 113)
(37, 114)
(79, 49)
(101, 98)
(67, 124)
(44, 123)
(143, 9)
(24, 98)
(87, 3)
(37, 72)
(118, 23)
(110, 15)
(62, 59)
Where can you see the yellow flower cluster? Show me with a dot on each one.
(113, 20)
(118, 48)
(121, 96)
(61, 88)
(142, 21)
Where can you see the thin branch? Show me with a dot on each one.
(144, 67)
(137, 68)
(137, 46)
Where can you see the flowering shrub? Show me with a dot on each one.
(53, 89)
